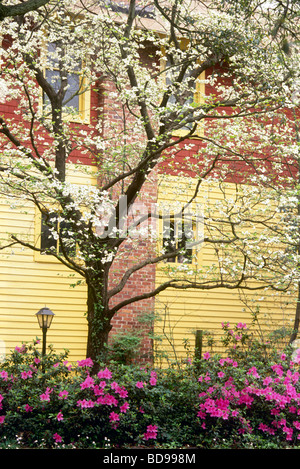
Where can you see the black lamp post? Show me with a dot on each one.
(44, 316)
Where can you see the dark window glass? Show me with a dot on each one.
(185, 237)
(169, 243)
(64, 231)
(178, 235)
(174, 98)
(54, 76)
(48, 243)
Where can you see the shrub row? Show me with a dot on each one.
(216, 402)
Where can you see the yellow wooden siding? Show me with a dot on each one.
(26, 286)
(182, 312)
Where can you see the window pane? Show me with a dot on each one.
(169, 243)
(68, 246)
(54, 80)
(58, 52)
(185, 235)
(73, 88)
(53, 74)
(48, 243)
(173, 98)
(53, 60)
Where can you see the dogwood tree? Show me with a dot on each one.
(150, 61)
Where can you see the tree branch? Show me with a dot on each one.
(21, 9)
(185, 284)
(68, 263)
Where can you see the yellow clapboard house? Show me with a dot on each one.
(181, 313)
(29, 281)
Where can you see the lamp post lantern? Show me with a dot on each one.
(44, 316)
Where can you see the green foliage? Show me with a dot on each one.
(254, 344)
(124, 347)
(214, 402)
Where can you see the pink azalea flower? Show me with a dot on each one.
(114, 417)
(206, 356)
(225, 325)
(28, 408)
(108, 399)
(263, 427)
(87, 362)
(57, 438)
(21, 349)
(241, 325)
(151, 432)
(60, 416)
(124, 407)
(253, 371)
(106, 374)
(4, 375)
(139, 384)
(2, 417)
(267, 380)
(296, 425)
(85, 403)
(98, 390)
(26, 374)
(88, 383)
(63, 394)
(114, 386)
(153, 378)
(278, 369)
(45, 397)
(123, 393)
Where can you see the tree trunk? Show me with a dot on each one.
(297, 318)
(99, 327)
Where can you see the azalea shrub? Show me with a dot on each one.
(214, 402)
(48, 402)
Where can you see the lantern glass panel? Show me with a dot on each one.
(45, 317)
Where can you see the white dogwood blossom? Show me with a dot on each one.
(205, 92)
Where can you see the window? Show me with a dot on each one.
(178, 238)
(66, 73)
(52, 229)
(50, 226)
(193, 101)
